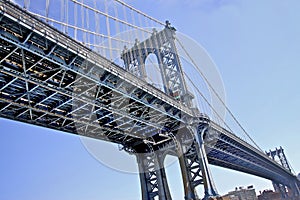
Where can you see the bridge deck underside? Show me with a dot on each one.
(44, 81)
(227, 151)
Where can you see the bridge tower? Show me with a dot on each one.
(161, 44)
(189, 150)
(279, 187)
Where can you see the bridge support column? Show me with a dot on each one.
(194, 167)
(153, 177)
(210, 190)
(189, 189)
(293, 191)
(281, 189)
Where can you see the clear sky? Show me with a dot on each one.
(256, 46)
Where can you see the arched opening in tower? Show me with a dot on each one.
(154, 75)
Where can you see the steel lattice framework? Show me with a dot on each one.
(163, 46)
(50, 80)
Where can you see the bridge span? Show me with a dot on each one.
(48, 79)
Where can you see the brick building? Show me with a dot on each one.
(269, 195)
(241, 194)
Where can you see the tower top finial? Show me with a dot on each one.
(168, 25)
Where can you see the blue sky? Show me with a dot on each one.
(255, 45)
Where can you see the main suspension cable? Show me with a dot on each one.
(109, 16)
(216, 93)
(82, 29)
(140, 12)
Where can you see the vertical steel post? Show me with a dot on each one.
(153, 177)
(210, 190)
(162, 178)
(194, 165)
(189, 191)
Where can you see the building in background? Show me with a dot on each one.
(230, 197)
(241, 193)
(269, 195)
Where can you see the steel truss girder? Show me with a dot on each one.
(152, 118)
(69, 48)
(233, 153)
(159, 116)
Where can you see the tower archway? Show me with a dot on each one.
(153, 72)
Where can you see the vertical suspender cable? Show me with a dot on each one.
(75, 21)
(26, 4)
(128, 37)
(136, 70)
(117, 24)
(62, 14)
(108, 29)
(88, 28)
(103, 31)
(96, 24)
(67, 15)
(98, 29)
(47, 10)
(82, 22)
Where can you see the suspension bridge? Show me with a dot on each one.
(80, 67)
